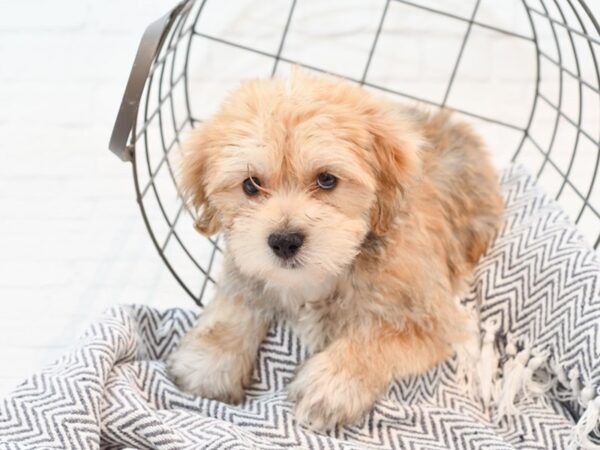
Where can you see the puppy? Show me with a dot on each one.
(357, 220)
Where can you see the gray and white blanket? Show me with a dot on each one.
(540, 291)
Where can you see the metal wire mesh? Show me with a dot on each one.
(554, 130)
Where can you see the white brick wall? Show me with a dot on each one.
(71, 238)
(72, 241)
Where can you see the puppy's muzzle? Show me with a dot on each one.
(286, 244)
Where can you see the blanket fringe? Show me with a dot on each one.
(590, 420)
(487, 369)
(468, 354)
(513, 381)
(528, 374)
(523, 375)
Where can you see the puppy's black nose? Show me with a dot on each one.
(286, 245)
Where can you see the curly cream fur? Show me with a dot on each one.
(386, 254)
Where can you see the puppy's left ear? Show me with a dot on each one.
(396, 145)
(197, 151)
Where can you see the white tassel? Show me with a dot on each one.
(468, 353)
(560, 373)
(574, 382)
(586, 424)
(511, 347)
(587, 393)
(534, 389)
(488, 362)
(561, 379)
(513, 381)
(464, 368)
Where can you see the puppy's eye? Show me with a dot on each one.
(326, 181)
(250, 186)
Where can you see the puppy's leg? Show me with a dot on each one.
(215, 359)
(340, 384)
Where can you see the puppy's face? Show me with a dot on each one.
(297, 174)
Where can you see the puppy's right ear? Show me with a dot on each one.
(397, 149)
(194, 164)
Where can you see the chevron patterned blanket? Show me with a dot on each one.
(538, 372)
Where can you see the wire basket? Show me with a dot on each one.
(526, 75)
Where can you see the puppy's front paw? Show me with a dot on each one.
(205, 371)
(327, 397)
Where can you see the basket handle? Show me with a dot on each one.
(147, 51)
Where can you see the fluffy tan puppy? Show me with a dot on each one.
(357, 220)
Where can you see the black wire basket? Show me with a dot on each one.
(189, 58)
